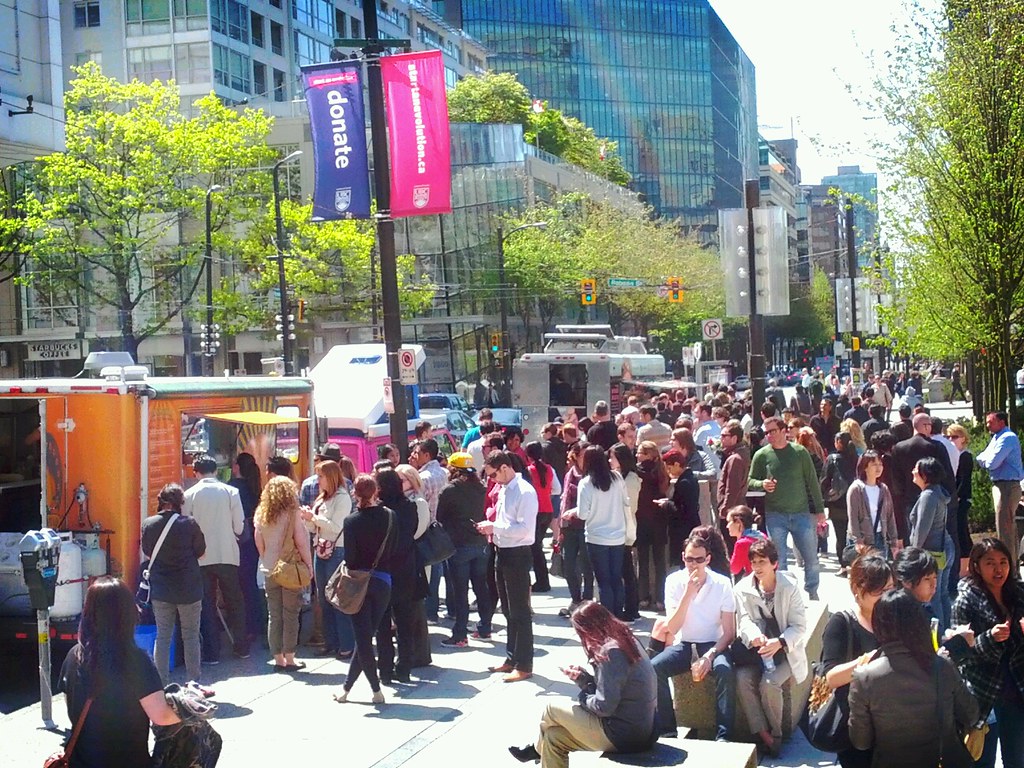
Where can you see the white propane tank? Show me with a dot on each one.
(70, 594)
(94, 559)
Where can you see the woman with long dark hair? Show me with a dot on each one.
(840, 472)
(603, 505)
(250, 485)
(175, 580)
(107, 669)
(616, 705)
(872, 519)
(368, 530)
(928, 529)
(906, 693)
(579, 575)
(991, 601)
(407, 589)
(542, 478)
(622, 460)
(651, 526)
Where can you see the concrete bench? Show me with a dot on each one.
(695, 702)
(671, 752)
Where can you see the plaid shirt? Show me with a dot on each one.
(434, 479)
(980, 666)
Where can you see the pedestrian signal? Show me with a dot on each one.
(588, 291)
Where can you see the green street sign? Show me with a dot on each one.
(625, 282)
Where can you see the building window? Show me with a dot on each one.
(276, 38)
(189, 14)
(341, 23)
(232, 69)
(86, 56)
(192, 63)
(280, 91)
(451, 77)
(87, 14)
(276, 3)
(428, 36)
(309, 50)
(357, 28)
(316, 14)
(147, 17)
(148, 64)
(256, 22)
(231, 18)
(259, 78)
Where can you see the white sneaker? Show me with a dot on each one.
(378, 697)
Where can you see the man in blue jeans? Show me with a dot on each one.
(793, 503)
(700, 613)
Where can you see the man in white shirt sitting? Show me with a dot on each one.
(700, 610)
(218, 510)
(513, 531)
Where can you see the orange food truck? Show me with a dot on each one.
(87, 458)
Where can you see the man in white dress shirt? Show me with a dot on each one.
(513, 531)
(218, 510)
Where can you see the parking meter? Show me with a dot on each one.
(40, 557)
(40, 554)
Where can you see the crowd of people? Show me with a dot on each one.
(678, 507)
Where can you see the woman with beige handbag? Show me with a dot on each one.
(285, 560)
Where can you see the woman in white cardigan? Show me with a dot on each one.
(771, 619)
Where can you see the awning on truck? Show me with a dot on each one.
(256, 418)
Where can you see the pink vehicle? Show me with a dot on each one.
(349, 399)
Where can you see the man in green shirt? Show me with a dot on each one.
(793, 504)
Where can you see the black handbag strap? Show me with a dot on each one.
(387, 534)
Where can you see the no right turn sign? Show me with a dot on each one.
(712, 329)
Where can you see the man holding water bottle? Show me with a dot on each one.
(793, 503)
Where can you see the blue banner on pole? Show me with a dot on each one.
(334, 97)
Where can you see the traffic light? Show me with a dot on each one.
(807, 355)
(675, 290)
(495, 343)
(856, 344)
(300, 313)
(588, 291)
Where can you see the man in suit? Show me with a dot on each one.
(858, 412)
(905, 456)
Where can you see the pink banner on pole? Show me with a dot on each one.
(418, 134)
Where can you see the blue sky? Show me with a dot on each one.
(805, 54)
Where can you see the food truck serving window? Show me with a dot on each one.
(288, 414)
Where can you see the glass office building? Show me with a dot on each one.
(664, 78)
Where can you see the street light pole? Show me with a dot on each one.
(506, 388)
(210, 343)
(851, 264)
(287, 336)
(756, 359)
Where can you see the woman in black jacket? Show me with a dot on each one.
(459, 508)
(368, 530)
(840, 472)
(651, 526)
(250, 487)
(682, 511)
(176, 583)
(405, 587)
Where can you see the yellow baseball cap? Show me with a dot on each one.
(461, 460)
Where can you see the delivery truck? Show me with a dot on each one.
(580, 365)
(88, 456)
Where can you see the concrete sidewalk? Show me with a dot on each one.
(453, 712)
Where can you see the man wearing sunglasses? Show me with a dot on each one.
(700, 612)
(793, 503)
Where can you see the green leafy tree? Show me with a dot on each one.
(327, 263)
(954, 90)
(109, 217)
(490, 98)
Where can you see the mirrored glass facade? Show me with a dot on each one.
(664, 78)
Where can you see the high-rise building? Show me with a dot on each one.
(863, 190)
(779, 185)
(244, 50)
(664, 78)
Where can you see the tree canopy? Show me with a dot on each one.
(500, 98)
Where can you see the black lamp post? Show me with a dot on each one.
(287, 334)
(211, 334)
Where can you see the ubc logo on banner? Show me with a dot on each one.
(334, 98)
(418, 133)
